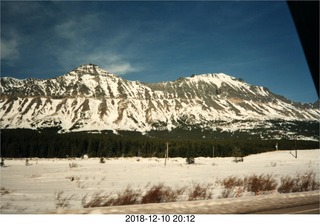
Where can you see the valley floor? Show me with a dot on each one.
(35, 188)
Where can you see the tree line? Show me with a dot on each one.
(48, 144)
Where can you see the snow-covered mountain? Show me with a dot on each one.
(90, 98)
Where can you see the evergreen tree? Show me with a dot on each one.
(51, 151)
(236, 153)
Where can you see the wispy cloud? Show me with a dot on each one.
(15, 36)
(112, 62)
(22, 8)
(123, 68)
(75, 27)
(81, 44)
(9, 49)
(10, 46)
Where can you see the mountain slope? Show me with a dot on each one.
(89, 98)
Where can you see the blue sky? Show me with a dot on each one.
(157, 41)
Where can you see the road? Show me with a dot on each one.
(302, 209)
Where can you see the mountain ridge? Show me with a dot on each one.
(90, 98)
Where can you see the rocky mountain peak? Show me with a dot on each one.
(88, 69)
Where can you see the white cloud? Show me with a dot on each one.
(89, 39)
(75, 28)
(77, 48)
(66, 30)
(9, 49)
(111, 62)
(123, 68)
(71, 57)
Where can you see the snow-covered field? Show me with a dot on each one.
(34, 188)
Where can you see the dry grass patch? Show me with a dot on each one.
(302, 182)
(200, 192)
(62, 201)
(235, 187)
(160, 194)
(232, 187)
(4, 191)
(73, 165)
(125, 197)
(97, 200)
(155, 194)
(261, 183)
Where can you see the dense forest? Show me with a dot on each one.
(48, 143)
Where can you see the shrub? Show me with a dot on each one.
(273, 164)
(236, 153)
(257, 184)
(4, 191)
(308, 182)
(300, 183)
(198, 192)
(126, 197)
(287, 184)
(62, 201)
(6, 205)
(233, 187)
(232, 192)
(96, 201)
(190, 160)
(156, 194)
(231, 182)
(159, 194)
(73, 165)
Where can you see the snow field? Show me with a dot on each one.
(34, 188)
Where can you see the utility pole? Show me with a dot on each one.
(295, 146)
(295, 149)
(212, 151)
(166, 154)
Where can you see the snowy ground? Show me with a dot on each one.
(33, 188)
